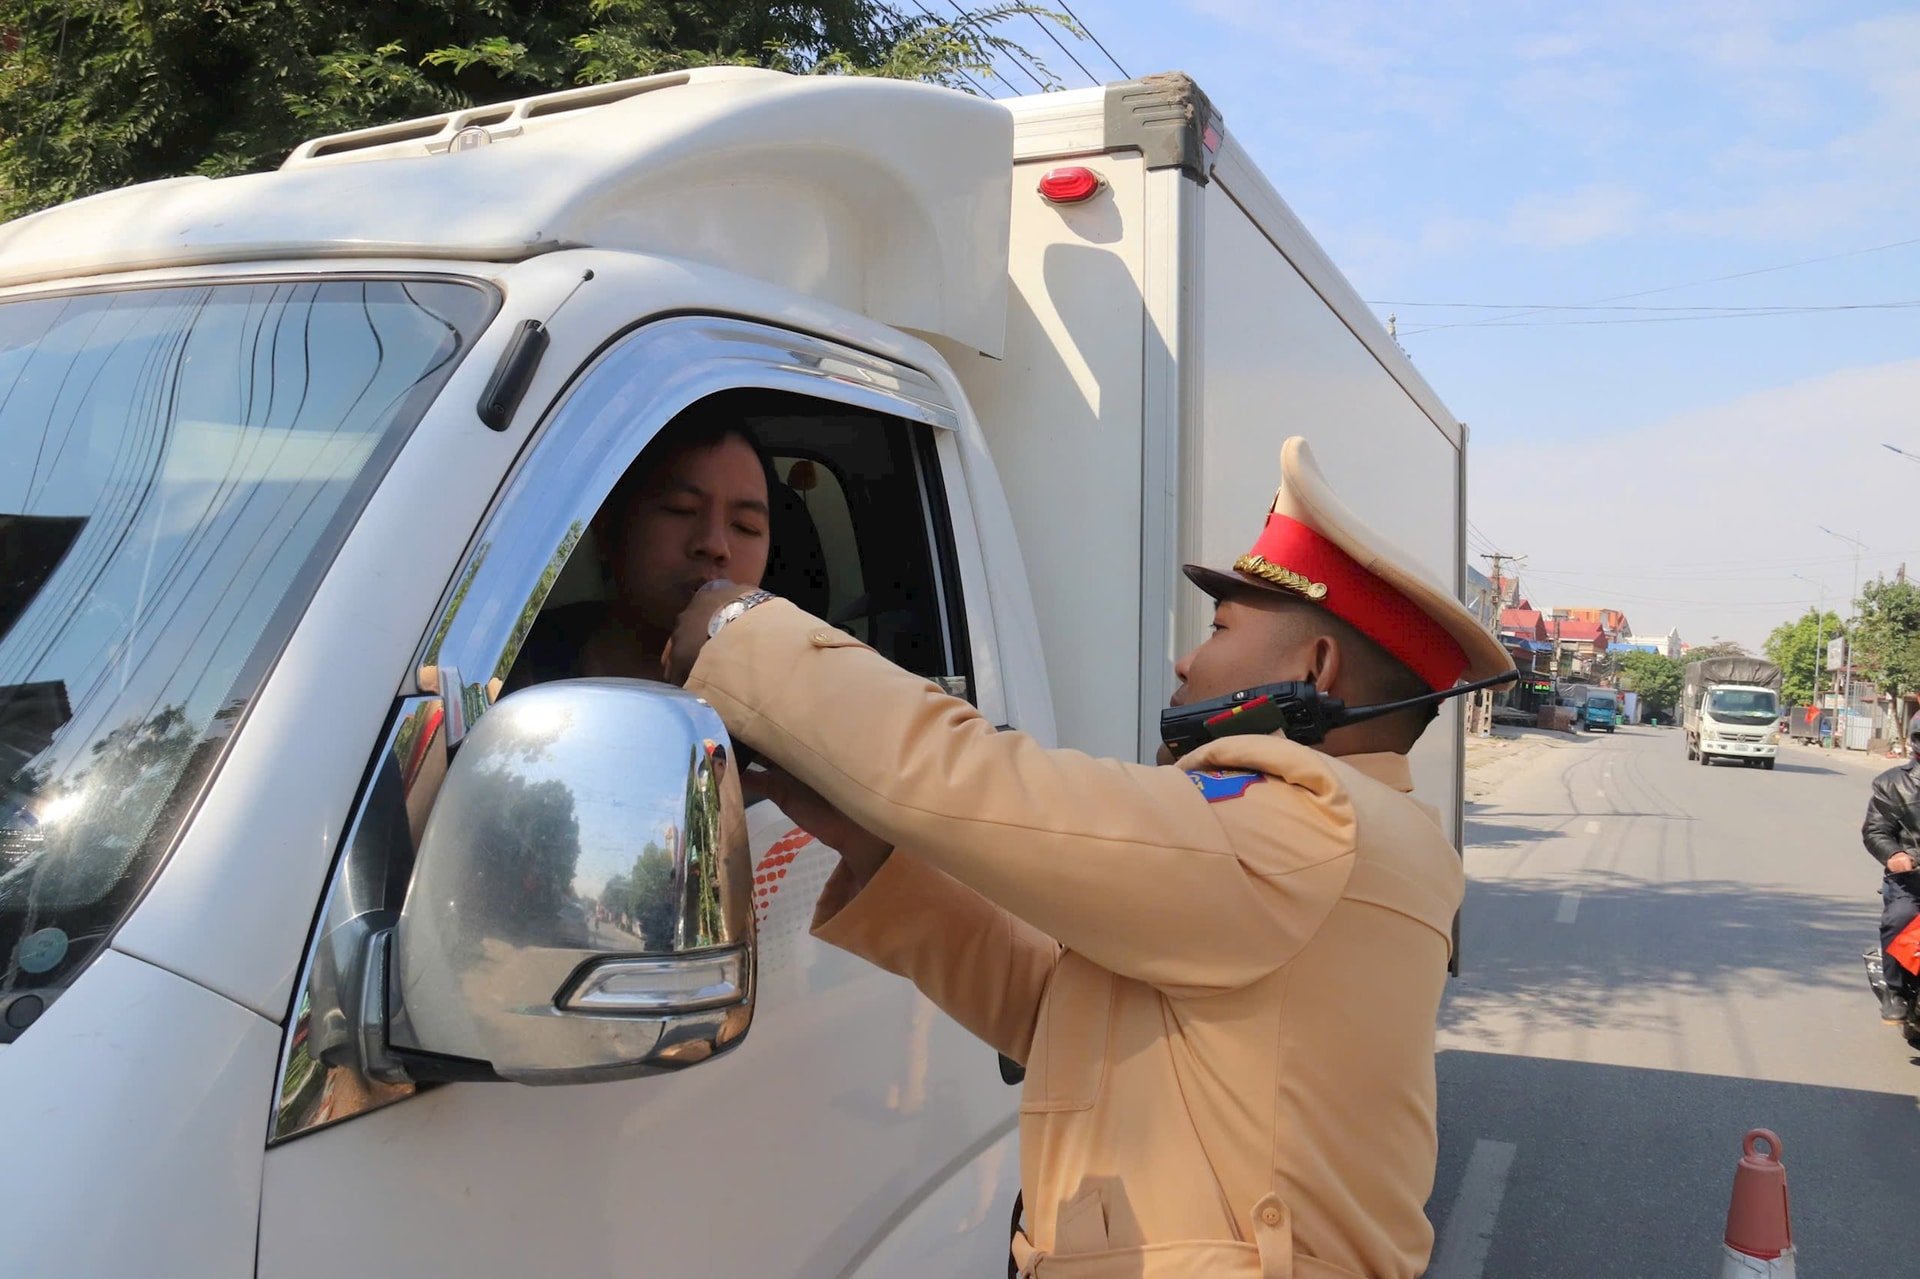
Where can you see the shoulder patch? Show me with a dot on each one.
(1223, 784)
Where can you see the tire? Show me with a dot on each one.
(1704, 759)
(1768, 764)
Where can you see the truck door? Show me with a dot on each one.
(852, 1100)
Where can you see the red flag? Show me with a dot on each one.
(1905, 947)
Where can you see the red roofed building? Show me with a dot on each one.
(1612, 620)
(1523, 630)
(1580, 641)
(1524, 623)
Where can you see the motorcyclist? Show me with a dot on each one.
(1892, 834)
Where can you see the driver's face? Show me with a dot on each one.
(700, 517)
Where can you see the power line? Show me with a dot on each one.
(1501, 323)
(1709, 573)
(1011, 50)
(1124, 73)
(1631, 597)
(1046, 30)
(1692, 284)
(934, 18)
(1579, 306)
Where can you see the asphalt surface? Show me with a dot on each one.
(1657, 957)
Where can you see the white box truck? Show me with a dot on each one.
(293, 461)
(1730, 709)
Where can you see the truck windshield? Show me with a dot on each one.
(181, 464)
(1743, 705)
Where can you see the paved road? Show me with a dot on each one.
(1657, 957)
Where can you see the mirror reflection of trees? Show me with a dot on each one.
(526, 875)
(642, 901)
(706, 922)
(548, 576)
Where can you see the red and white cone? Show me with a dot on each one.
(1759, 1236)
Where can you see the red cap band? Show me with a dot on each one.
(1292, 556)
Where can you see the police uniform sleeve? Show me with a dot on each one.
(982, 966)
(1127, 864)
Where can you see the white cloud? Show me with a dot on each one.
(1597, 212)
(1549, 46)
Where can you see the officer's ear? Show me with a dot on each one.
(1323, 658)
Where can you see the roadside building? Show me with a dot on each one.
(1579, 643)
(1523, 632)
(1667, 645)
(1611, 620)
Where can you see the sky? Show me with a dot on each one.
(1526, 156)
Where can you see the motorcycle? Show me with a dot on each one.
(1875, 960)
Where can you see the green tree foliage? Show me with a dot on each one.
(1798, 648)
(96, 94)
(1886, 638)
(1656, 677)
(534, 836)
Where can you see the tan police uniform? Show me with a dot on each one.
(1222, 976)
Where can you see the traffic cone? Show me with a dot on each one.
(1759, 1236)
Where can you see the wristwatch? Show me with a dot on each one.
(730, 611)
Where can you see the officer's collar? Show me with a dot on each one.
(1268, 755)
(1389, 768)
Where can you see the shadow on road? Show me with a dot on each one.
(1785, 767)
(1640, 937)
(1620, 1171)
(1482, 835)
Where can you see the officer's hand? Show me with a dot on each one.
(1899, 863)
(859, 848)
(690, 632)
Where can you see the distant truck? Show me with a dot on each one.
(1602, 711)
(1730, 709)
(1592, 707)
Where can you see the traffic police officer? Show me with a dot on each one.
(1221, 976)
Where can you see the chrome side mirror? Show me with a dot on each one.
(581, 907)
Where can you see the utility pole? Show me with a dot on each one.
(1820, 636)
(1846, 695)
(1499, 582)
(1483, 700)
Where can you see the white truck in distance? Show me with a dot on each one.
(296, 459)
(1730, 709)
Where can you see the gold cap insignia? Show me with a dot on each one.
(1261, 567)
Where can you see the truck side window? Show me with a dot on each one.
(855, 526)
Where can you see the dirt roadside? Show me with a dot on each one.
(1491, 761)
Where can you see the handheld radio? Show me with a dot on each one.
(1295, 708)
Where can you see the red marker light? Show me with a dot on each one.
(1071, 185)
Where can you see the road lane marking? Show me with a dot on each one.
(1468, 1235)
(1569, 907)
(1593, 828)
